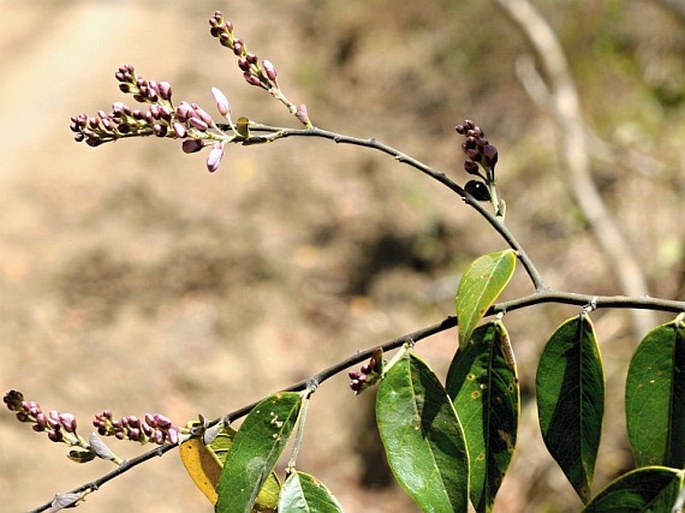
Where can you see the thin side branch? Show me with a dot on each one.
(494, 221)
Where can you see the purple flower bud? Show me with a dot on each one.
(490, 153)
(164, 88)
(198, 123)
(172, 435)
(251, 79)
(270, 70)
(192, 146)
(134, 434)
(22, 416)
(183, 111)
(133, 421)
(221, 101)
(215, 156)
(38, 427)
(180, 130)
(162, 422)
(159, 130)
(119, 435)
(150, 420)
(471, 167)
(238, 46)
(204, 116)
(159, 437)
(147, 429)
(55, 435)
(68, 422)
(243, 64)
(41, 420)
(354, 374)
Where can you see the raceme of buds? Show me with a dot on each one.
(151, 428)
(261, 74)
(59, 427)
(157, 116)
(368, 374)
(479, 152)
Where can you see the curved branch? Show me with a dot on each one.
(539, 297)
(564, 104)
(495, 222)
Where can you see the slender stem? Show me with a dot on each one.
(493, 220)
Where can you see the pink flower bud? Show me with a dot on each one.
(204, 116)
(164, 90)
(251, 79)
(68, 422)
(180, 130)
(270, 70)
(302, 115)
(183, 111)
(162, 421)
(172, 435)
(198, 123)
(215, 156)
(221, 101)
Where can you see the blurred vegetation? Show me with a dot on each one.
(296, 254)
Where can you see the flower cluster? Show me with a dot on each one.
(479, 152)
(187, 121)
(257, 72)
(480, 155)
(60, 427)
(368, 374)
(151, 428)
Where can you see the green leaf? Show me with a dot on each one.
(422, 436)
(303, 493)
(655, 397)
(645, 490)
(481, 284)
(204, 463)
(483, 383)
(255, 450)
(570, 395)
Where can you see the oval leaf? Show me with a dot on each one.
(255, 450)
(303, 493)
(204, 463)
(483, 383)
(655, 392)
(422, 436)
(479, 287)
(570, 396)
(647, 489)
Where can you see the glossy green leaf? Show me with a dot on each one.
(483, 383)
(480, 285)
(645, 490)
(423, 439)
(655, 397)
(255, 450)
(303, 493)
(570, 396)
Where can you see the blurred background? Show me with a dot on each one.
(132, 279)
